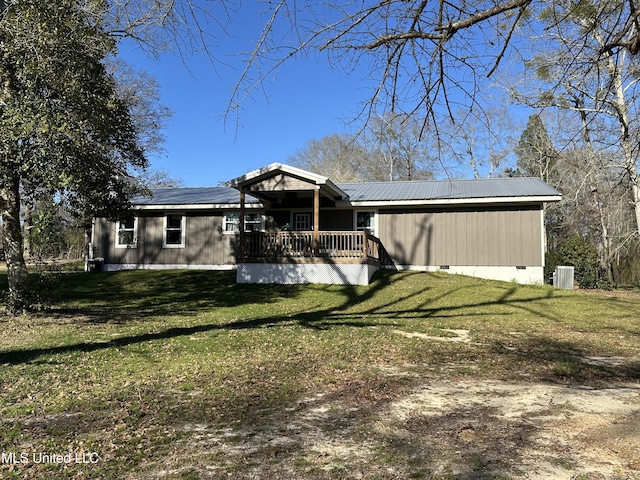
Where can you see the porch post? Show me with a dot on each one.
(365, 240)
(242, 250)
(316, 220)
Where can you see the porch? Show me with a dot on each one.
(301, 247)
(348, 258)
(338, 254)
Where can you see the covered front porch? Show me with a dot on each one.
(292, 251)
(301, 247)
(347, 258)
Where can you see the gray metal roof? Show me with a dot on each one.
(193, 196)
(448, 189)
(420, 190)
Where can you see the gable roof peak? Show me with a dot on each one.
(276, 168)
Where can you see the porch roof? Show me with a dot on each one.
(276, 180)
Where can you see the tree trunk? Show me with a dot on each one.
(27, 224)
(12, 240)
(603, 245)
(634, 180)
(622, 110)
(11, 231)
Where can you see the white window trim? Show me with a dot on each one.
(225, 221)
(235, 232)
(183, 223)
(295, 221)
(135, 235)
(374, 227)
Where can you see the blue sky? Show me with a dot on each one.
(305, 99)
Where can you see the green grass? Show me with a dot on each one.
(151, 370)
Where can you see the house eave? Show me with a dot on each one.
(448, 201)
(201, 206)
(360, 204)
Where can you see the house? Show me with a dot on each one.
(281, 224)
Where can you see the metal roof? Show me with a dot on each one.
(409, 191)
(193, 196)
(448, 189)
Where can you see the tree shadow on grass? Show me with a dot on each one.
(568, 364)
(117, 296)
(304, 320)
(140, 294)
(222, 291)
(319, 319)
(467, 434)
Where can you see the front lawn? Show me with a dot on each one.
(178, 374)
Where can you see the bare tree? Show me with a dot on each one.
(581, 72)
(417, 51)
(390, 149)
(141, 93)
(426, 57)
(337, 156)
(594, 206)
(396, 150)
(483, 144)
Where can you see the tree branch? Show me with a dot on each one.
(404, 36)
(507, 41)
(452, 28)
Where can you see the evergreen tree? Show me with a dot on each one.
(63, 126)
(537, 157)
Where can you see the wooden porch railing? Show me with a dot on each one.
(291, 245)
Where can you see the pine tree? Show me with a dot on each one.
(537, 157)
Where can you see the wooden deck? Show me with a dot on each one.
(300, 247)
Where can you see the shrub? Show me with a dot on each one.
(583, 257)
(42, 290)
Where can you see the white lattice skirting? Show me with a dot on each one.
(341, 274)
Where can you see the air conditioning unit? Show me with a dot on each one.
(563, 278)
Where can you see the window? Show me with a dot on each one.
(253, 222)
(302, 221)
(366, 221)
(174, 231)
(127, 233)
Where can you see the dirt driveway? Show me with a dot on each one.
(457, 429)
